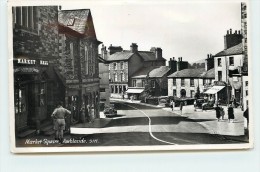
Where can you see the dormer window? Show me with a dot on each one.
(71, 21)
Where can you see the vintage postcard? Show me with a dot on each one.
(129, 76)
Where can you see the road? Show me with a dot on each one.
(135, 125)
(144, 125)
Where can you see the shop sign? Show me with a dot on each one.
(26, 70)
(32, 62)
(220, 83)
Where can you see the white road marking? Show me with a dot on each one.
(150, 127)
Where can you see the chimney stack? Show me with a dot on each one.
(209, 62)
(104, 52)
(133, 47)
(158, 53)
(231, 40)
(114, 49)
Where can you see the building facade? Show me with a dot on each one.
(35, 50)
(184, 83)
(104, 82)
(79, 62)
(53, 61)
(228, 67)
(245, 56)
(124, 63)
(154, 78)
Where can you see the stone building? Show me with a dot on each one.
(124, 63)
(55, 58)
(35, 50)
(104, 81)
(78, 48)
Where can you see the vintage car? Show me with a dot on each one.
(198, 103)
(208, 105)
(110, 110)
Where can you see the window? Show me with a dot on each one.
(121, 65)
(114, 65)
(25, 16)
(246, 92)
(102, 90)
(182, 82)
(143, 83)
(153, 83)
(121, 77)
(192, 93)
(219, 61)
(86, 60)
(192, 82)
(72, 56)
(246, 83)
(114, 77)
(231, 61)
(109, 76)
(174, 92)
(210, 81)
(219, 75)
(71, 21)
(134, 83)
(174, 82)
(204, 81)
(112, 89)
(120, 89)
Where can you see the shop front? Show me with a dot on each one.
(34, 92)
(220, 92)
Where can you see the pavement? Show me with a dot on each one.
(207, 119)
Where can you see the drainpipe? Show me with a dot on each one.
(227, 71)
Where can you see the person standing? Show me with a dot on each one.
(218, 110)
(231, 116)
(181, 106)
(172, 104)
(59, 114)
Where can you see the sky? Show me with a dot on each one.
(190, 30)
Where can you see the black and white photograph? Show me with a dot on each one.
(118, 76)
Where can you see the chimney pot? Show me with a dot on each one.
(227, 32)
(239, 32)
(230, 31)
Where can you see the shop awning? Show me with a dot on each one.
(214, 89)
(136, 91)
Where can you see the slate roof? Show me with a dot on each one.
(235, 50)
(209, 74)
(79, 16)
(148, 55)
(159, 72)
(188, 73)
(123, 55)
(142, 73)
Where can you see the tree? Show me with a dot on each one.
(197, 94)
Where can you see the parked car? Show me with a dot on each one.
(110, 110)
(208, 106)
(198, 103)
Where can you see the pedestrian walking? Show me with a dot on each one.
(172, 105)
(245, 114)
(231, 115)
(181, 106)
(59, 115)
(218, 110)
(83, 114)
(222, 113)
